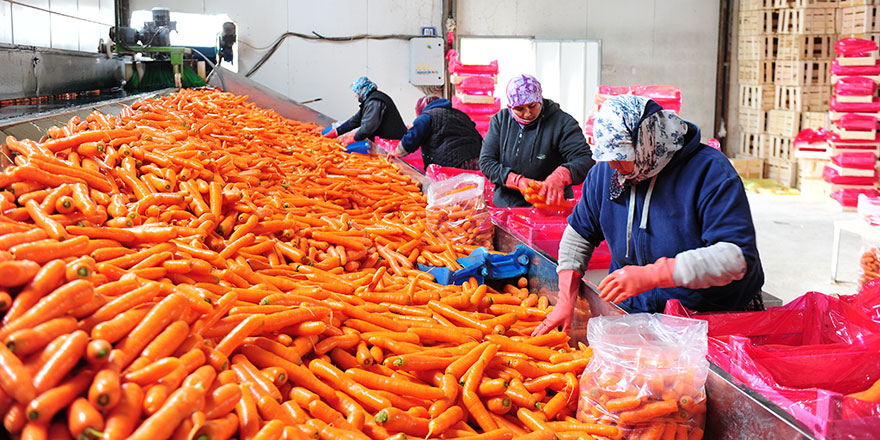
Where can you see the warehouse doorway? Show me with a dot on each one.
(569, 70)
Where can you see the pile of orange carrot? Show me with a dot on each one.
(200, 268)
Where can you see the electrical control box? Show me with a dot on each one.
(426, 61)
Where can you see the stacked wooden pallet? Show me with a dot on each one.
(859, 18)
(853, 142)
(785, 49)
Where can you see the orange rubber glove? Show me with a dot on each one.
(518, 182)
(563, 311)
(554, 186)
(331, 134)
(630, 281)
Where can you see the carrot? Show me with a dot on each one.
(124, 415)
(5, 301)
(62, 299)
(623, 403)
(222, 400)
(245, 328)
(14, 379)
(338, 380)
(376, 381)
(62, 361)
(248, 418)
(15, 418)
(115, 329)
(499, 405)
(589, 428)
(153, 372)
(16, 273)
(180, 404)
(42, 408)
(35, 431)
(28, 340)
(469, 390)
(296, 373)
(43, 251)
(497, 434)
(444, 421)
(160, 315)
(41, 219)
(544, 434)
(460, 365)
(492, 387)
(126, 301)
(83, 419)
(247, 372)
(649, 411)
(396, 420)
(508, 344)
(7, 241)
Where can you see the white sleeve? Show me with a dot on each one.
(715, 265)
(574, 251)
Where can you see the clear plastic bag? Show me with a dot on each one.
(457, 211)
(869, 262)
(647, 376)
(868, 207)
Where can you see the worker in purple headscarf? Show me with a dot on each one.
(533, 140)
(446, 135)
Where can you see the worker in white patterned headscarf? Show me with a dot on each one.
(673, 211)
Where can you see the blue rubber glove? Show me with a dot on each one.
(629, 281)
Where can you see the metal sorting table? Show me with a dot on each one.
(734, 410)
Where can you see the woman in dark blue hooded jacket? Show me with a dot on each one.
(446, 135)
(673, 211)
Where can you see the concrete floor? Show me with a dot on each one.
(794, 240)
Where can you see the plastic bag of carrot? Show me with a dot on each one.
(456, 211)
(647, 376)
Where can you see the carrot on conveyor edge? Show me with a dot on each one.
(241, 276)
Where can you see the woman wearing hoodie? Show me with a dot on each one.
(446, 135)
(533, 140)
(673, 211)
(377, 116)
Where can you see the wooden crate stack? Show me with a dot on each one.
(859, 18)
(785, 51)
(854, 144)
(756, 54)
(807, 32)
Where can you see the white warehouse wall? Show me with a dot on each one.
(670, 42)
(59, 24)
(643, 42)
(304, 69)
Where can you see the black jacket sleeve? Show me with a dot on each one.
(349, 125)
(490, 155)
(575, 152)
(374, 109)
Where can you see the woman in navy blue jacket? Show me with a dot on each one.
(446, 135)
(673, 211)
